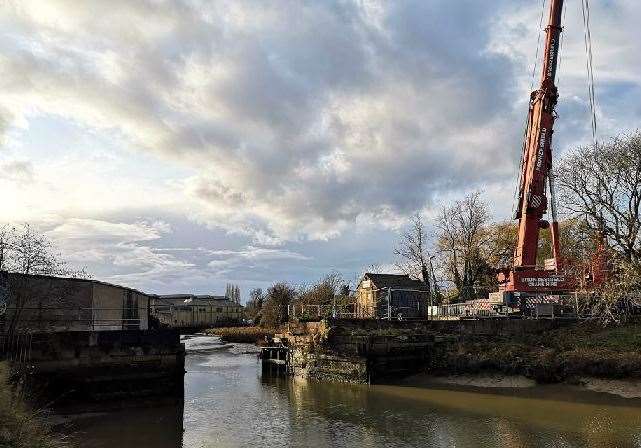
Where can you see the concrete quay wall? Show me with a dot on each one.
(107, 365)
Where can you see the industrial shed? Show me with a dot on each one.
(37, 303)
(195, 311)
(391, 296)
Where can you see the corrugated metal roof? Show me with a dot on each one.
(77, 279)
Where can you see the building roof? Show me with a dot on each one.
(194, 299)
(395, 281)
(191, 296)
(73, 279)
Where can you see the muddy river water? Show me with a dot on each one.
(229, 404)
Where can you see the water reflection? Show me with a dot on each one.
(152, 423)
(402, 415)
(229, 404)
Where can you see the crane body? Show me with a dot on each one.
(536, 182)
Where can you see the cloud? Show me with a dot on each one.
(120, 252)
(284, 123)
(17, 171)
(77, 229)
(251, 255)
(300, 118)
(142, 254)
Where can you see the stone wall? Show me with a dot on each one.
(359, 351)
(364, 351)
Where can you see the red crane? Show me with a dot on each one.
(525, 278)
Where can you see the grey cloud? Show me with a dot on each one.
(121, 252)
(16, 171)
(301, 117)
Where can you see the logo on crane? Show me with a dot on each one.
(551, 57)
(538, 282)
(539, 153)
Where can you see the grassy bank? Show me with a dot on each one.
(559, 355)
(250, 335)
(21, 427)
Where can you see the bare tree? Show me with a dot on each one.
(25, 253)
(324, 292)
(32, 253)
(603, 184)
(254, 306)
(413, 250)
(461, 237)
(275, 307)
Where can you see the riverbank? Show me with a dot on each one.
(249, 335)
(21, 426)
(624, 388)
(574, 354)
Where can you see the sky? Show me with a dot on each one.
(176, 146)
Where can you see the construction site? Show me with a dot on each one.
(396, 325)
(544, 308)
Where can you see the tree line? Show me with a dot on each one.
(271, 308)
(600, 200)
(458, 251)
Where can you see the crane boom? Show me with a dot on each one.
(535, 177)
(537, 157)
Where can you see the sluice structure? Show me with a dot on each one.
(355, 351)
(373, 351)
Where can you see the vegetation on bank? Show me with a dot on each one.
(271, 308)
(250, 335)
(20, 426)
(564, 354)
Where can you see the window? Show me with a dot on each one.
(130, 318)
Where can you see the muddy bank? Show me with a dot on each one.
(630, 388)
(488, 381)
(568, 354)
(621, 388)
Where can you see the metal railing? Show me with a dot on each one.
(87, 318)
(461, 310)
(311, 311)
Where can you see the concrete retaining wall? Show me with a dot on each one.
(107, 365)
(365, 351)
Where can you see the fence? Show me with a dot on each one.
(70, 319)
(303, 311)
(470, 310)
(568, 305)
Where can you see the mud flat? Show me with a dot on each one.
(621, 388)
